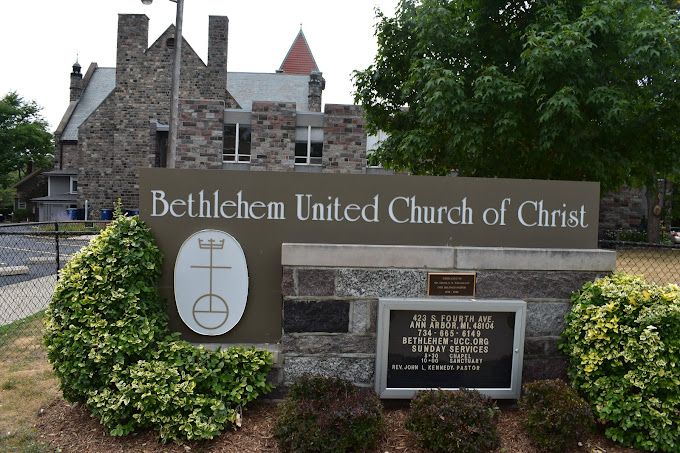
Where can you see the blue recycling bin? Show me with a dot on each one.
(106, 214)
(72, 213)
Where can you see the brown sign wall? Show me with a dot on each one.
(262, 210)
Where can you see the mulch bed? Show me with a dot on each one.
(70, 428)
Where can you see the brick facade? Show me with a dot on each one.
(622, 210)
(344, 147)
(96, 144)
(199, 144)
(67, 155)
(273, 136)
(121, 135)
(115, 140)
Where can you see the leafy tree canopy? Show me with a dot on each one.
(555, 89)
(23, 136)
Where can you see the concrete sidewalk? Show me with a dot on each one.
(23, 299)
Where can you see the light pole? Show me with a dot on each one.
(174, 94)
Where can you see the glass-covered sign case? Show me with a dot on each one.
(450, 344)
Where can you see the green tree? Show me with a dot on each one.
(552, 89)
(23, 137)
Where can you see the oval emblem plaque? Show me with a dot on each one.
(211, 282)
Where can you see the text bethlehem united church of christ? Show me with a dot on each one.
(400, 209)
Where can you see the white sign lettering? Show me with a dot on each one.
(402, 209)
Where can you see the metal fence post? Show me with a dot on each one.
(56, 242)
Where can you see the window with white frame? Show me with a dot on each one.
(372, 143)
(308, 145)
(73, 184)
(236, 143)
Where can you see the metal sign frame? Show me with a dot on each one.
(386, 305)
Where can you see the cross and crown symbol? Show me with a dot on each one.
(207, 315)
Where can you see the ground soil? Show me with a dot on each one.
(69, 428)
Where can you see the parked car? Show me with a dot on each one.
(675, 235)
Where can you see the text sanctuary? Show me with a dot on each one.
(401, 209)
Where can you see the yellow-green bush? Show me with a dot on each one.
(107, 339)
(622, 338)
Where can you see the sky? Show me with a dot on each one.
(42, 38)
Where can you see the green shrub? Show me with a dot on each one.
(105, 310)
(107, 339)
(554, 415)
(622, 341)
(325, 414)
(188, 384)
(461, 421)
(23, 215)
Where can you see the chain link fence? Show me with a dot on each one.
(656, 263)
(31, 255)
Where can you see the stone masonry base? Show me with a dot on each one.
(330, 299)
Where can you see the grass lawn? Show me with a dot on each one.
(92, 227)
(27, 385)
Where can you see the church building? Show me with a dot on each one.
(117, 119)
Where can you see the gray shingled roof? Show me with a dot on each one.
(101, 84)
(247, 87)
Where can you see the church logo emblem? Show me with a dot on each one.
(211, 282)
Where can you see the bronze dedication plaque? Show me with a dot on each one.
(450, 344)
(451, 284)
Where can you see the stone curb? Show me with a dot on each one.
(13, 270)
(464, 258)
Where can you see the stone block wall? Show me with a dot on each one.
(273, 136)
(344, 142)
(199, 141)
(331, 292)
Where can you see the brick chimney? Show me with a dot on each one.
(133, 40)
(316, 86)
(76, 86)
(218, 36)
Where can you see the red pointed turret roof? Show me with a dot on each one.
(299, 59)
